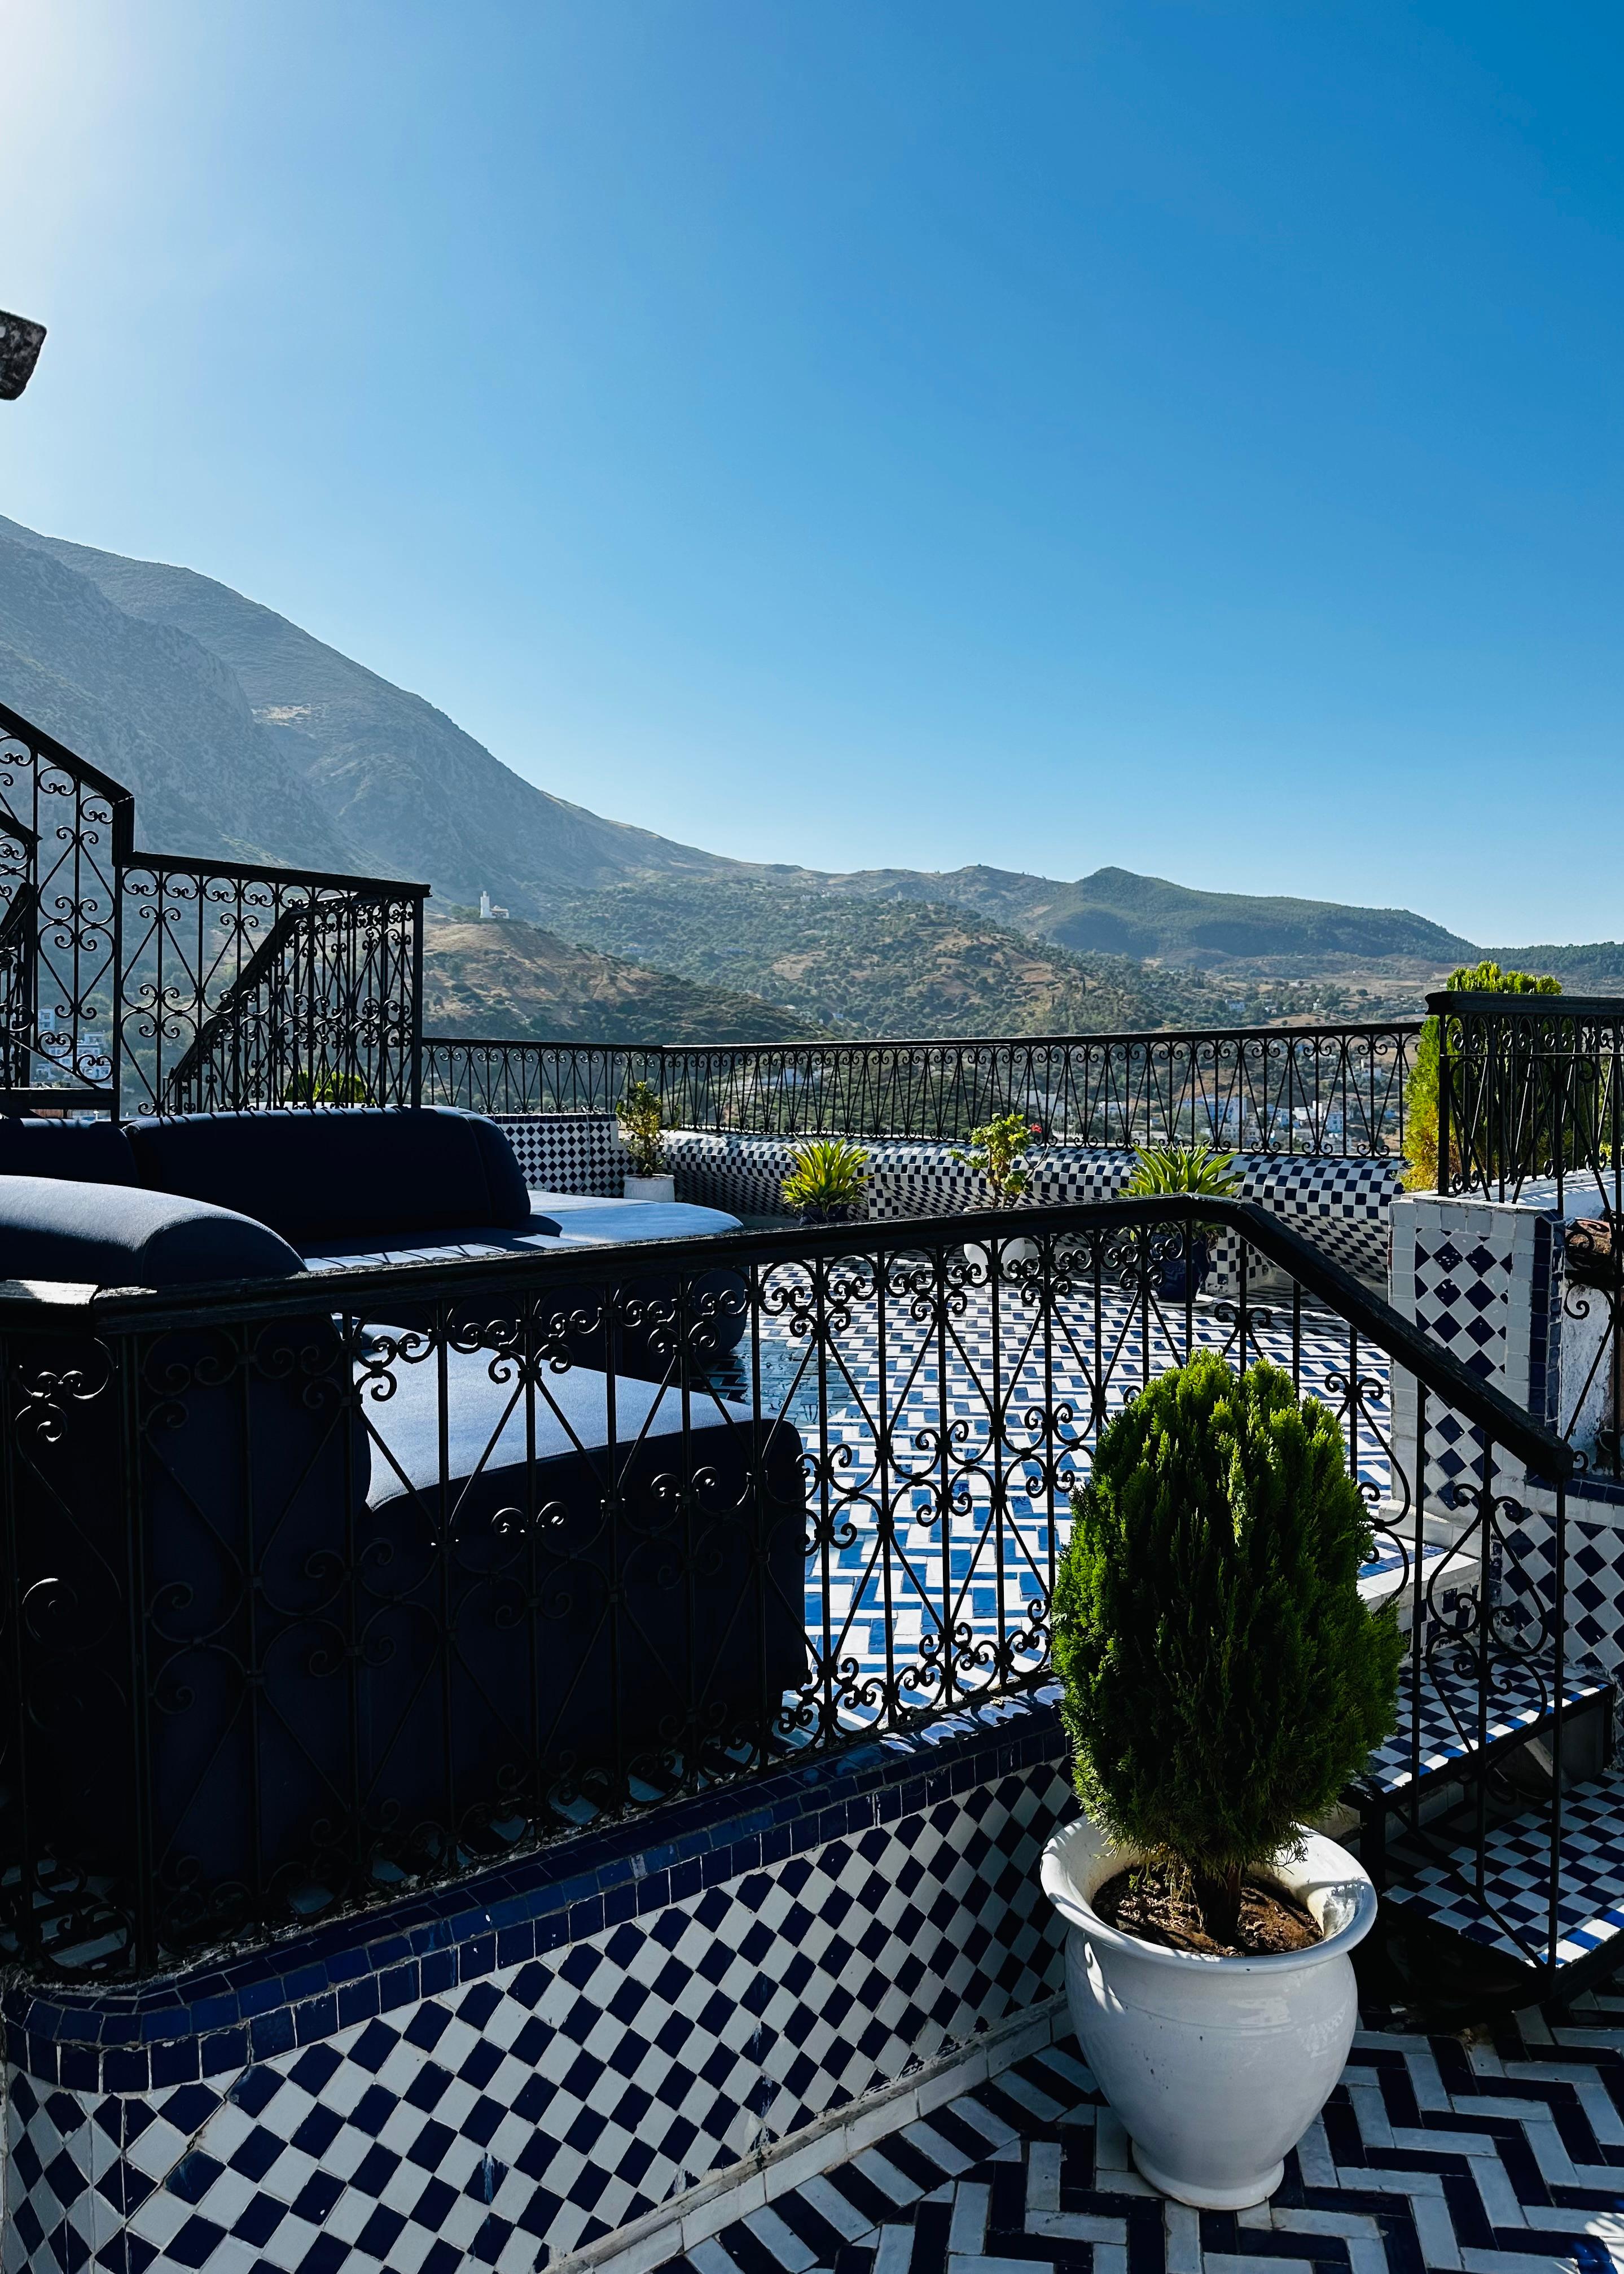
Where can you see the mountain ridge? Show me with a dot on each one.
(244, 736)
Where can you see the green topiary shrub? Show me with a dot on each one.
(1421, 1090)
(1224, 1679)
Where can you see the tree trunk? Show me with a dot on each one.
(1219, 1894)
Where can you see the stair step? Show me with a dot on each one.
(1518, 1703)
(1511, 1914)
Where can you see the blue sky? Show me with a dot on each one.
(1186, 436)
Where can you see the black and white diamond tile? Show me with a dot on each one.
(567, 1152)
(1514, 1917)
(536, 2110)
(1434, 2152)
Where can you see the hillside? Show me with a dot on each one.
(244, 736)
(377, 769)
(158, 713)
(899, 967)
(512, 981)
(1115, 912)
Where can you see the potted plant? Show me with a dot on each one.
(1185, 1169)
(1223, 1680)
(826, 1183)
(995, 1150)
(639, 1115)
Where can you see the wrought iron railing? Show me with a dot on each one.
(1529, 1087)
(1300, 1089)
(132, 982)
(494, 1549)
(323, 1007)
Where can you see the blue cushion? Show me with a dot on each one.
(118, 1236)
(341, 1171)
(91, 1152)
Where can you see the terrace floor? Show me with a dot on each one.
(990, 1419)
(1492, 2152)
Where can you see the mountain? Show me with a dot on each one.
(246, 737)
(1116, 912)
(160, 714)
(512, 980)
(873, 966)
(392, 778)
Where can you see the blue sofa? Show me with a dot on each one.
(503, 1618)
(343, 1185)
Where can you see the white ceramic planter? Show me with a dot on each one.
(649, 1188)
(1215, 2066)
(1011, 1253)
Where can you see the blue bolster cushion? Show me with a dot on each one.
(118, 1236)
(339, 1171)
(91, 1152)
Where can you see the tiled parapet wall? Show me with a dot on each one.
(510, 2070)
(1341, 1206)
(1485, 1280)
(567, 1152)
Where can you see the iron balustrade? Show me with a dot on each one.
(1336, 1090)
(318, 1589)
(1529, 1088)
(1531, 1107)
(139, 983)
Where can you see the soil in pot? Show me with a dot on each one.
(1157, 1903)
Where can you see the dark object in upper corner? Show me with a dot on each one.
(1588, 1246)
(20, 342)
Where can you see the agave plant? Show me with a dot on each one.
(1184, 1168)
(826, 1184)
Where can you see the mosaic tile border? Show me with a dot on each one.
(176, 2028)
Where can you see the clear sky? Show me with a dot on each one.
(868, 431)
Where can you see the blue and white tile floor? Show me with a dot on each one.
(1499, 2152)
(947, 1455)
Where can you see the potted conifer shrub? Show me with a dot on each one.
(1222, 1682)
(640, 1116)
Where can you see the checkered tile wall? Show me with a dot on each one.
(1341, 1206)
(461, 2091)
(567, 1152)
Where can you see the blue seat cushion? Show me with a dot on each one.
(89, 1152)
(639, 1588)
(119, 1236)
(341, 1172)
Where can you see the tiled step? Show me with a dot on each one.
(1432, 2152)
(1512, 1914)
(1447, 1715)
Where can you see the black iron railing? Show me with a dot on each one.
(1302, 1089)
(1529, 1087)
(133, 983)
(318, 1590)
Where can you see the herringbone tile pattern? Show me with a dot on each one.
(1493, 2153)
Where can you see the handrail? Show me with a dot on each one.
(354, 1289)
(1336, 1089)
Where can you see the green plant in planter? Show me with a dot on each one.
(327, 1089)
(640, 1116)
(827, 1181)
(1421, 1090)
(1184, 1169)
(1224, 1678)
(995, 1149)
